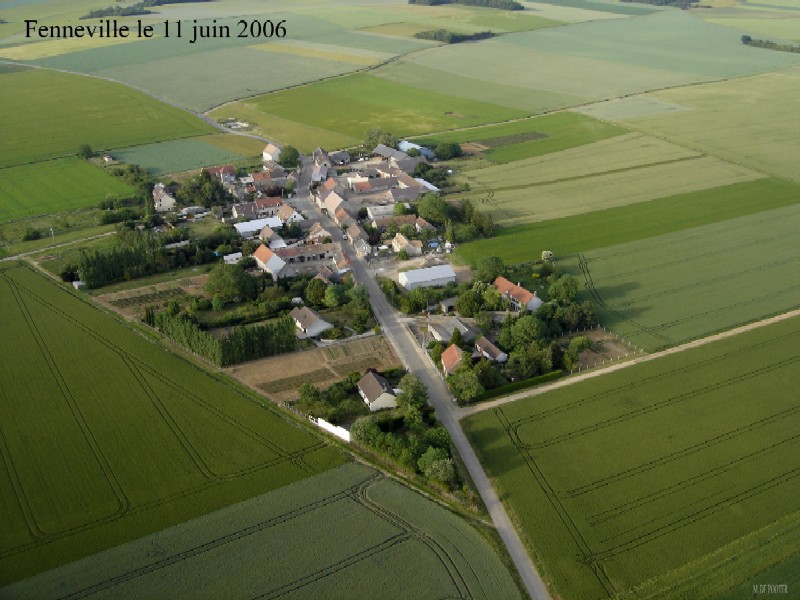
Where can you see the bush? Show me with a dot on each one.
(31, 234)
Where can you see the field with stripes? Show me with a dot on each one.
(121, 439)
(675, 478)
(371, 538)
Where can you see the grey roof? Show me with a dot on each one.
(305, 316)
(373, 385)
(429, 274)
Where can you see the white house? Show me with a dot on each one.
(517, 296)
(288, 214)
(376, 392)
(308, 323)
(162, 199)
(268, 261)
(487, 349)
(430, 277)
(271, 152)
(232, 259)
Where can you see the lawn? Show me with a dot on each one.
(508, 194)
(372, 538)
(598, 229)
(175, 156)
(55, 186)
(663, 480)
(351, 105)
(647, 291)
(175, 443)
(69, 110)
(722, 121)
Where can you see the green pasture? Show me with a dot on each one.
(598, 229)
(54, 186)
(148, 441)
(373, 538)
(351, 105)
(236, 144)
(176, 155)
(513, 200)
(659, 476)
(519, 97)
(725, 120)
(49, 115)
(647, 291)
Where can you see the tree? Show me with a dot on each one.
(85, 151)
(366, 431)
(412, 392)
(564, 289)
(398, 209)
(526, 331)
(457, 338)
(290, 157)
(362, 213)
(447, 150)
(492, 300)
(31, 234)
(315, 292)
(465, 385)
(229, 282)
(376, 135)
(217, 303)
(432, 208)
(468, 304)
(436, 353)
(486, 374)
(490, 268)
(334, 294)
(442, 471)
(308, 394)
(430, 456)
(359, 294)
(402, 255)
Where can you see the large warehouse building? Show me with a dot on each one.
(430, 277)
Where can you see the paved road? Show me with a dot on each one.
(416, 361)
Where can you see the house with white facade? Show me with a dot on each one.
(376, 392)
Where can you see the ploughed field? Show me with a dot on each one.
(675, 478)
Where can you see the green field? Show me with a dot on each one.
(526, 138)
(176, 155)
(121, 448)
(744, 269)
(598, 229)
(69, 110)
(371, 537)
(722, 121)
(614, 172)
(349, 106)
(55, 186)
(675, 478)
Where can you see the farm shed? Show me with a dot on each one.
(430, 277)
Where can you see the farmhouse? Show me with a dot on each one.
(376, 392)
(317, 233)
(518, 296)
(412, 247)
(287, 214)
(271, 152)
(430, 277)
(268, 261)
(332, 202)
(306, 253)
(451, 359)
(308, 322)
(487, 349)
(225, 173)
(421, 225)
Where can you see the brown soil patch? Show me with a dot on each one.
(473, 149)
(280, 376)
(131, 303)
(605, 348)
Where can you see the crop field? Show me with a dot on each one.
(745, 269)
(175, 156)
(723, 123)
(525, 138)
(70, 110)
(55, 186)
(372, 537)
(512, 201)
(176, 441)
(598, 229)
(350, 105)
(199, 76)
(674, 478)
(280, 376)
(237, 144)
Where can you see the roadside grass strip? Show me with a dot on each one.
(650, 481)
(55, 186)
(147, 441)
(648, 291)
(371, 536)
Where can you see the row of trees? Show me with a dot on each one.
(239, 345)
(136, 255)
(451, 37)
(756, 43)
(140, 8)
